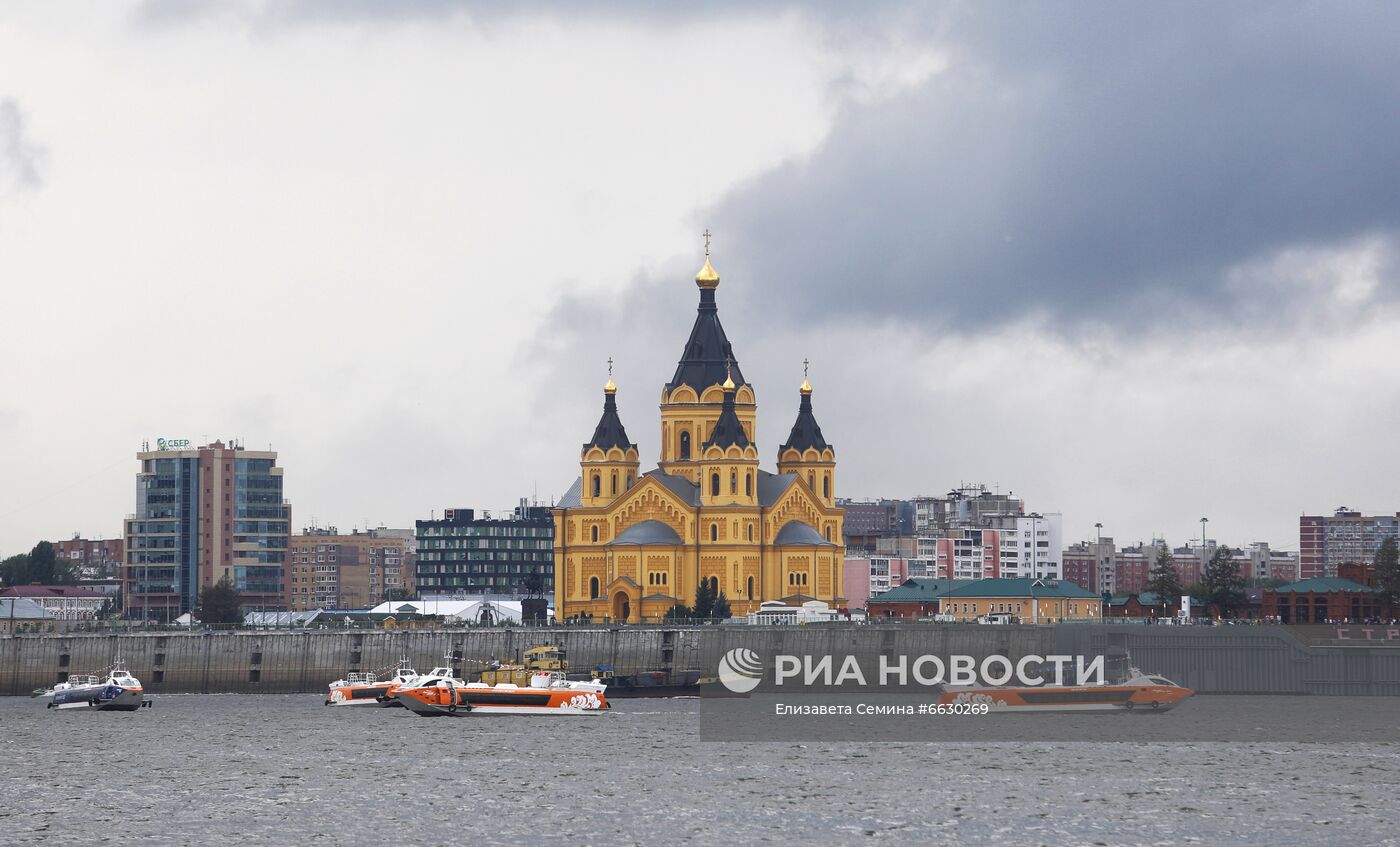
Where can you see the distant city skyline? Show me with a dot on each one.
(1137, 283)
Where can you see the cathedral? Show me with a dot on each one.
(628, 546)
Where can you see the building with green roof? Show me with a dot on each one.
(1323, 600)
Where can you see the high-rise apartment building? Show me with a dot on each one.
(203, 514)
(464, 554)
(1346, 537)
(359, 570)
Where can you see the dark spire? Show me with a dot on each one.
(609, 433)
(805, 432)
(703, 362)
(728, 431)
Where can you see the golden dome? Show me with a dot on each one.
(610, 388)
(708, 276)
(728, 383)
(806, 386)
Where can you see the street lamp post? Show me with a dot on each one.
(1098, 557)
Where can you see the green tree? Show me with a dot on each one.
(15, 570)
(1387, 564)
(40, 565)
(710, 605)
(111, 607)
(704, 607)
(395, 595)
(220, 604)
(43, 565)
(1224, 583)
(721, 611)
(1164, 580)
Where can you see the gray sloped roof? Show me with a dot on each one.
(682, 487)
(772, 485)
(647, 532)
(21, 608)
(573, 498)
(796, 533)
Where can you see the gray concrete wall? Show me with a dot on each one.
(1209, 659)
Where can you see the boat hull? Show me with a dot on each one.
(460, 702)
(1087, 698)
(358, 695)
(98, 698)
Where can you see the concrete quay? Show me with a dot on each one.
(1238, 660)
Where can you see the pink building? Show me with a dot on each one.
(868, 576)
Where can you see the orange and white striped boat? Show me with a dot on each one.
(1137, 691)
(365, 689)
(546, 694)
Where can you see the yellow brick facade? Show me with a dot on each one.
(629, 546)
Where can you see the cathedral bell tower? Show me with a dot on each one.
(729, 459)
(806, 453)
(609, 461)
(695, 399)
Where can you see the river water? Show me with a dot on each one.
(274, 769)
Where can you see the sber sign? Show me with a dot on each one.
(172, 444)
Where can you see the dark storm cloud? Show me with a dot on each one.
(1088, 161)
(19, 158)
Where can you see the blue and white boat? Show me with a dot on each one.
(115, 690)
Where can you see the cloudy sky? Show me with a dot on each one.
(1137, 264)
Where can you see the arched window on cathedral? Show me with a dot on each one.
(593, 588)
(733, 483)
(714, 584)
(685, 446)
(714, 485)
(597, 485)
(714, 532)
(614, 483)
(828, 533)
(811, 480)
(629, 480)
(750, 532)
(826, 487)
(748, 486)
(750, 588)
(595, 535)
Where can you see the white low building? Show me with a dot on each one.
(62, 602)
(778, 612)
(478, 611)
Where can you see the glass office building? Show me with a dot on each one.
(204, 514)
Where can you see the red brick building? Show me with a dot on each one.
(92, 557)
(1322, 600)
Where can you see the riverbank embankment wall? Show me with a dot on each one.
(1210, 659)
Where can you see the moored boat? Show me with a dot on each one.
(1136, 691)
(546, 694)
(363, 688)
(653, 683)
(114, 690)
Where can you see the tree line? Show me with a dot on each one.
(1222, 584)
(40, 565)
